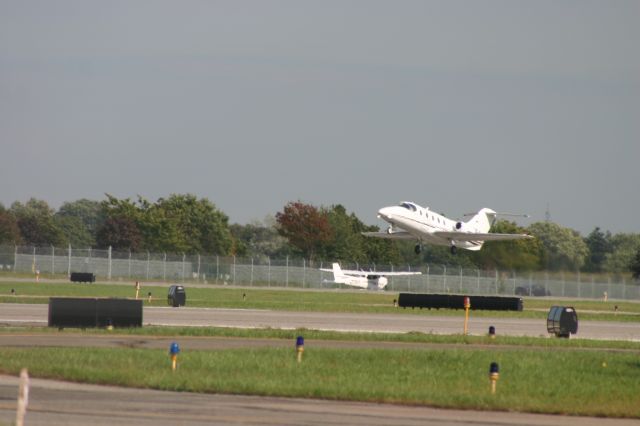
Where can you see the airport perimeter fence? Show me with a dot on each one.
(108, 265)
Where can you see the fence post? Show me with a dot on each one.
(217, 268)
(409, 276)
(164, 266)
(428, 273)
(304, 272)
(496, 281)
(15, 257)
(579, 284)
(546, 281)
(69, 267)
(184, 257)
(129, 263)
(109, 266)
(198, 267)
(478, 284)
(33, 263)
(251, 282)
(287, 273)
(392, 280)
(461, 279)
(444, 278)
(148, 261)
(234, 269)
(269, 272)
(53, 260)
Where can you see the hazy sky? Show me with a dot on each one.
(455, 105)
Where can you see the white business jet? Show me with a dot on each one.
(409, 221)
(373, 280)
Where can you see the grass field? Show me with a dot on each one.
(290, 335)
(301, 300)
(581, 382)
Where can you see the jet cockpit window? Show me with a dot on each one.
(409, 206)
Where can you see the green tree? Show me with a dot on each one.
(599, 244)
(306, 227)
(120, 233)
(36, 223)
(198, 226)
(120, 229)
(635, 266)
(563, 248)
(348, 244)
(177, 224)
(9, 230)
(75, 231)
(259, 239)
(80, 221)
(624, 248)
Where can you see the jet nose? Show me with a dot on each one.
(385, 213)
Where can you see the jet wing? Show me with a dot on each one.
(398, 235)
(472, 236)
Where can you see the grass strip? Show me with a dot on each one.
(576, 383)
(411, 337)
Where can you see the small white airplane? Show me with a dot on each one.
(373, 280)
(409, 221)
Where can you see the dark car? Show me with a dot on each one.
(534, 290)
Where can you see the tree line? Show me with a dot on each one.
(184, 223)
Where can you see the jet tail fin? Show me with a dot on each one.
(482, 221)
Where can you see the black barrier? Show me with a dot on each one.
(90, 312)
(82, 277)
(455, 301)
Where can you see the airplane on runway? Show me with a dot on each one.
(372, 280)
(409, 221)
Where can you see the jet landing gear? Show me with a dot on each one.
(418, 248)
(454, 249)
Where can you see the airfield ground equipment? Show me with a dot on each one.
(562, 321)
(176, 296)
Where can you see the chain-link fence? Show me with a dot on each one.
(111, 265)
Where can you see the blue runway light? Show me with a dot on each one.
(299, 347)
(494, 373)
(174, 349)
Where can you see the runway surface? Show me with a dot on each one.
(61, 403)
(15, 314)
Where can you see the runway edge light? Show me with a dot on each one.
(174, 350)
(492, 332)
(494, 373)
(467, 306)
(299, 347)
